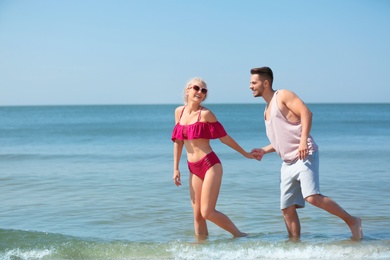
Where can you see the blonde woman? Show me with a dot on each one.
(195, 126)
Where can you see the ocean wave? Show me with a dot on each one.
(39, 245)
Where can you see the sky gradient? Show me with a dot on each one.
(143, 52)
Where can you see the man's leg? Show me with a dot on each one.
(292, 222)
(332, 207)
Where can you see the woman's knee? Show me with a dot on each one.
(206, 213)
(198, 216)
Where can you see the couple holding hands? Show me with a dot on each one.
(288, 123)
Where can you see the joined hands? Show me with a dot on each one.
(257, 153)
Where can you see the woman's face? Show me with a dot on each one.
(197, 92)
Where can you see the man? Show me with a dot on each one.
(288, 123)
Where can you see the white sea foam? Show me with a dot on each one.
(27, 254)
(280, 251)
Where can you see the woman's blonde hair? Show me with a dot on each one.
(189, 85)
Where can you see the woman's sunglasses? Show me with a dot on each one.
(197, 88)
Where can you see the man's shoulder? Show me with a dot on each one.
(285, 94)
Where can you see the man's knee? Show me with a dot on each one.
(315, 199)
(289, 211)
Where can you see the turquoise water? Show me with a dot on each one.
(94, 182)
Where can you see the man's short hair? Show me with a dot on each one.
(265, 72)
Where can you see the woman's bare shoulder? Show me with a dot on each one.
(179, 109)
(208, 115)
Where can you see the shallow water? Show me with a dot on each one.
(94, 182)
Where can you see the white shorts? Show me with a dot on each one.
(299, 180)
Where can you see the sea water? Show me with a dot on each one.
(95, 182)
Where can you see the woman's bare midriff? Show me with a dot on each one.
(197, 149)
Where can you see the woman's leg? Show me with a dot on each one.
(200, 225)
(209, 196)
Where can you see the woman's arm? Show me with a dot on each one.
(177, 150)
(229, 141)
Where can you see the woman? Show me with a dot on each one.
(195, 126)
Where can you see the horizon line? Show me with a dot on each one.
(177, 104)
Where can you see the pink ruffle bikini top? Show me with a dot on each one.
(205, 130)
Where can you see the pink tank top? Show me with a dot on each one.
(285, 136)
(198, 130)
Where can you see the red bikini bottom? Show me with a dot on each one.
(200, 167)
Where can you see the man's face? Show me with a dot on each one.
(256, 85)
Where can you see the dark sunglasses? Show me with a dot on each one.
(197, 88)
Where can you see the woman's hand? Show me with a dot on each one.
(176, 178)
(249, 155)
(253, 155)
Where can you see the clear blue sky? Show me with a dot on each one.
(57, 52)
